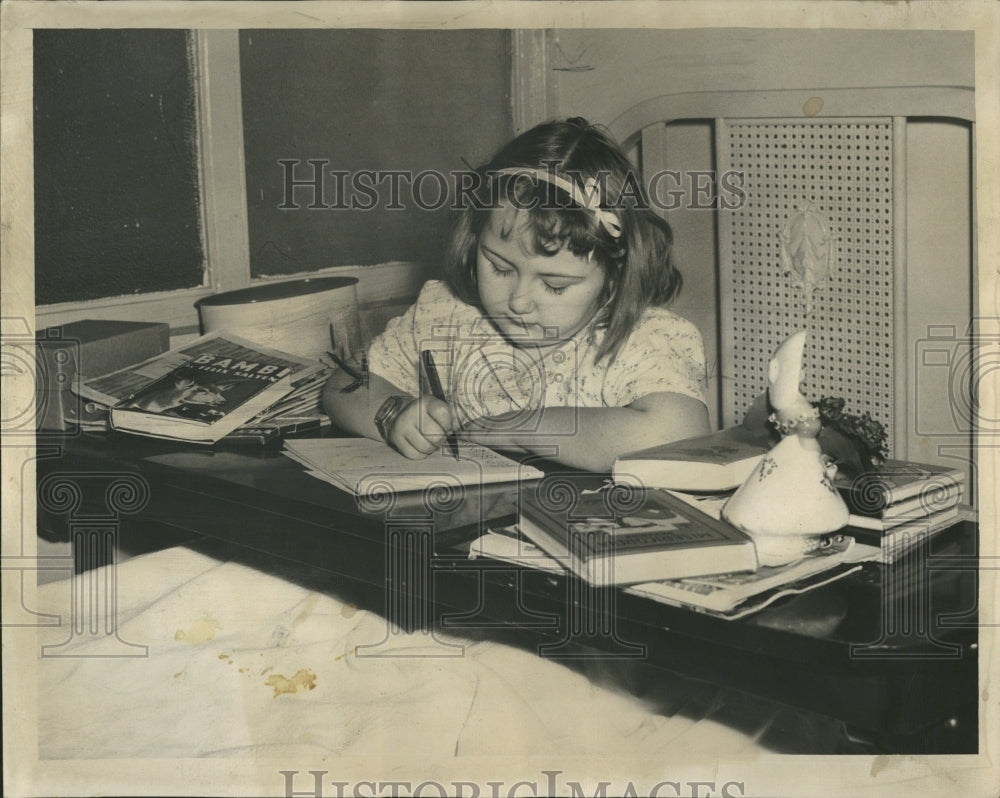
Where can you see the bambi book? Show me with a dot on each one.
(204, 391)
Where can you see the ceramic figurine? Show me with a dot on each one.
(788, 504)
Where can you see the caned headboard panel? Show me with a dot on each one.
(822, 171)
(820, 192)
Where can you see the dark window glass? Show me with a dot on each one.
(364, 100)
(117, 203)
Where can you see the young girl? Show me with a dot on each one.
(549, 334)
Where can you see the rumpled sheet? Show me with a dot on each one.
(244, 663)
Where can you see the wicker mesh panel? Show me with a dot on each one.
(843, 171)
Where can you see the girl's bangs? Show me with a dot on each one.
(553, 221)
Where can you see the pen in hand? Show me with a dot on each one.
(430, 373)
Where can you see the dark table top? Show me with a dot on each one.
(851, 611)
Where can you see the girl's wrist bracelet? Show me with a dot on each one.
(388, 412)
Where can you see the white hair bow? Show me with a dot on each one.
(588, 197)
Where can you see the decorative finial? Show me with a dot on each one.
(807, 251)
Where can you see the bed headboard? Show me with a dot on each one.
(819, 195)
(823, 180)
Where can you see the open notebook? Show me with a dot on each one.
(362, 466)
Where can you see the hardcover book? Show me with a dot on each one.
(904, 535)
(718, 461)
(203, 391)
(908, 510)
(877, 493)
(88, 346)
(656, 537)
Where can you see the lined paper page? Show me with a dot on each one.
(361, 465)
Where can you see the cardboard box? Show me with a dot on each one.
(90, 347)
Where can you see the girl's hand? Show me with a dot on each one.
(422, 427)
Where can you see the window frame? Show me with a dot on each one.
(226, 265)
(225, 229)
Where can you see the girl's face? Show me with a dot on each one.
(533, 299)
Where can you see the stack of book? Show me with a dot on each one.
(891, 508)
(901, 503)
(731, 595)
(662, 545)
(219, 387)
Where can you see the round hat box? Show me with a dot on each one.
(307, 317)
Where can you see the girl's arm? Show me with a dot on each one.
(420, 429)
(354, 412)
(590, 438)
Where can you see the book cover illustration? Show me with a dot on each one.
(624, 535)
(653, 524)
(219, 377)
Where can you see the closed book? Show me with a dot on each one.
(652, 536)
(718, 461)
(213, 386)
(88, 347)
(879, 493)
(909, 510)
(902, 536)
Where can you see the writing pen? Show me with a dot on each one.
(430, 373)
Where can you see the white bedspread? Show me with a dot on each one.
(242, 663)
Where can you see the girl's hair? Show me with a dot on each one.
(638, 263)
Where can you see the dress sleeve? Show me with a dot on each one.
(664, 353)
(395, 354)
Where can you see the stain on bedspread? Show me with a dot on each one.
(201, 631)
(304, 679)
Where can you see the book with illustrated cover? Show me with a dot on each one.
(202, 391)
(656, 537)
(717, 461)
(876, 493)
(363, 466)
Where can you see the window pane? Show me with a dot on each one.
(364, 100)
(116, 169)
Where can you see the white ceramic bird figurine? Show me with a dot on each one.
(789, 502)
